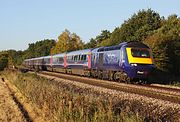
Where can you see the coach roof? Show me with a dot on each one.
(136, 44)
(86, 51)
(59, 55)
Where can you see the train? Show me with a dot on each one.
(127, 62)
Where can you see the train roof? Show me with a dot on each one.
(34, 59)
(99, 49)
(108, 48)
(86, 51)
(136, 44)
(47, 56)
(118, 47)
(59, 55)
(95, 49)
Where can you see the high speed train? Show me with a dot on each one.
(128, 62)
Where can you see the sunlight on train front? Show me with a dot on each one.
(139, 56)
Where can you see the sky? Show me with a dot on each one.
(27, 21)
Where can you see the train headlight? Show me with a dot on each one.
(134, 65)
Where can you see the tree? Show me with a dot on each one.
(38, 49)
(165, 43)
(103, 37)
(3, 60)
(75, 43)
(67, 42)
(137, 28)
(15, 57)
(101, 40)
(91, 44)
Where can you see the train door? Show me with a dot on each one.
(101, 55)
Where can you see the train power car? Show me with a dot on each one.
(126, 62)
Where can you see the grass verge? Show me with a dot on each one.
(60, 101)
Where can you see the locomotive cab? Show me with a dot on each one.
(139, 60)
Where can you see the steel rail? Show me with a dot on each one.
(118, 87)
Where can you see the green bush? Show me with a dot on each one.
(165, 44)
(3, 60)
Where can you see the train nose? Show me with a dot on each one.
(143, 72)
(140, 71)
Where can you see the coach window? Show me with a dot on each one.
(75, 58)
(47, 60)
(79, 58)
(69, 58)
(61, 60)
(85, 57)
(82, 57)
(55, 60)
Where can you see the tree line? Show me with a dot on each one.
(161, 34)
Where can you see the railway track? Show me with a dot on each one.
(157, 92)
(162, 87)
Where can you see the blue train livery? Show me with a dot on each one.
(126, 62)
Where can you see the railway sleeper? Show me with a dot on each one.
(94, 73)
(87, 73)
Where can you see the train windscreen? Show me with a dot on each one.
(142, 53)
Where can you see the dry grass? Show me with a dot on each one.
(9, 111)
(63, 101)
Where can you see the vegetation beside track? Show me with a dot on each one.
(177, 84)
(159, 33)
(60, 101)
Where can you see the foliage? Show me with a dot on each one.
(177, 84)
(15, 57)
(165, 43)
(64, 100)
(103, 37)
(60, 101)
(91, 44)
(162, 35)
(101, 40)
(38, 49)
(3, 60)
(137, 28)
(67, 42)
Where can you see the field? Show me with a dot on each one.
(63, 100)
(9, 111)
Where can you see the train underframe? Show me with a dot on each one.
(118, 76)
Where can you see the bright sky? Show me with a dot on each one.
(27, 21)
